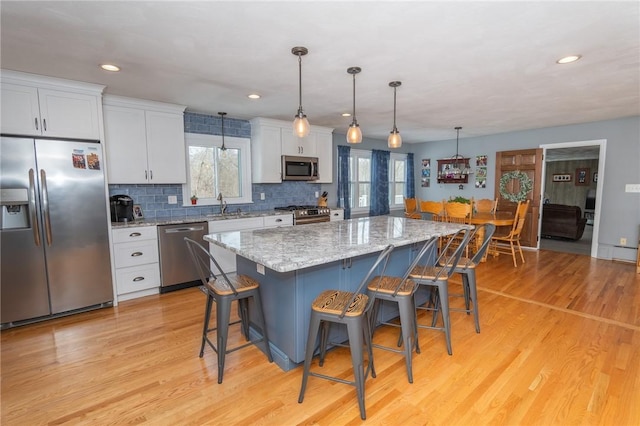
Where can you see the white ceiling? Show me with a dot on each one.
(487, 66)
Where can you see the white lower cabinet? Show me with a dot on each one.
(226, 258)
(137, 265)
(336, 214)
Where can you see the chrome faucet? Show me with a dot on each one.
(223, 204)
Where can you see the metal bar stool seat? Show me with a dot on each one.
(437, 277)
(466, 267)
(399, 290)
(351, 309)
(223, 290)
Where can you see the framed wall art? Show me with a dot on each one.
(582, 177)
(562, 177)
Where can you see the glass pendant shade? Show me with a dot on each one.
(395, 140)
(301, 126)
(354, 134)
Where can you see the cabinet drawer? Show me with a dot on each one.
(137, 278)
(135, 253)
(138, 233)
(235, 224)
(279, 220)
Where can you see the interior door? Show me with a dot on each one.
(528, 161)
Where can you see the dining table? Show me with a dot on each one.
(499, 218)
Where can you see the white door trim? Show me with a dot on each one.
(602, 143)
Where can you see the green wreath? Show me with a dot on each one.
(525, 186)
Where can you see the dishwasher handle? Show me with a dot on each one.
(183, 229)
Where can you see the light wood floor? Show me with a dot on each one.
(560, 345)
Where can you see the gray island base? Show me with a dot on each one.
(294, 264)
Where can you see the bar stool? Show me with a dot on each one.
(399, 290)
(351, 309)
(437, 276)
(223, 290)
(466, 267)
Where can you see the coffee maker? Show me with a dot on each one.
(121, 208)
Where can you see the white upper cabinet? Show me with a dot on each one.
(293, 145)
(271, 139)
(144, 141)
(266, 166)
(43, 106)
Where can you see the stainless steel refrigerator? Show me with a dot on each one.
(53, 229)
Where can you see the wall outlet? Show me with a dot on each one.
(262, 196)
(623, 241)
(632, 187)
(260, 268)
(317, 194)
(172, 199)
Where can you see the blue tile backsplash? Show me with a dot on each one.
(154, 198)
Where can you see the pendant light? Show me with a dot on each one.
(222, 114)
(395, 140)
(354, 134)
(301, 126)
(456, 167)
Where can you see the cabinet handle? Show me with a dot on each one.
(36, 121)
(136, 254)
(278, 220)
(44, 124)
(151, 174)
(135, 234)
(145, 175)
(138, 279)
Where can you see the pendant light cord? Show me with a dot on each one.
(394, 109)
(299, 84)
(222, 114)
(354, 98)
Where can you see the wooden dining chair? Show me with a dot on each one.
(433, 208)
(486, 205)
(456, 212)
(411, 208)
(508, 242)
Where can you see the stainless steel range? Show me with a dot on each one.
(303, 215)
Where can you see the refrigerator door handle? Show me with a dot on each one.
(45, 207)
(32, 208)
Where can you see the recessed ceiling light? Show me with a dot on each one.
(346, 114)
(110, 67)
(253, 96)
(568, 59)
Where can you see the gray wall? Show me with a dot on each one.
(620, 214)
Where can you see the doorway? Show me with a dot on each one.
(593, 151)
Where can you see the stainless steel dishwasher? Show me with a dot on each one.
(176, 267)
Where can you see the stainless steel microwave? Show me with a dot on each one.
(299, 168)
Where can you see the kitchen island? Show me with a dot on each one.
(294, 264)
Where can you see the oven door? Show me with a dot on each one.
(311, 219)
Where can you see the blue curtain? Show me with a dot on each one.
(343, 180)
(379, 182)
(411, 179)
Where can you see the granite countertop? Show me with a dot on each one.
(293, 248)
(208, 218)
